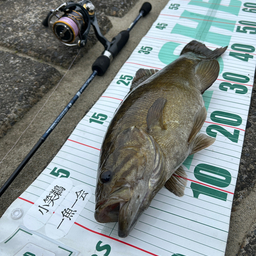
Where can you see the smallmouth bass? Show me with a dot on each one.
(153, 131)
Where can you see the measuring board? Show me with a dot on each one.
(55, 215)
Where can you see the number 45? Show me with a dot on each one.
(174, 6)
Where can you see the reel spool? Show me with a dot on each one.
(68, 27)
(71, 22)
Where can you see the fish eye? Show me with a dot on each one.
(106, 176)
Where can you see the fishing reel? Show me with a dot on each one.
(71, 23)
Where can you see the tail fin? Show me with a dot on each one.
(200, 49)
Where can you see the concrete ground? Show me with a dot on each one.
(32, 61)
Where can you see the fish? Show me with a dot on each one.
(153, 131)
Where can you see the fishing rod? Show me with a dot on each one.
(71, 23)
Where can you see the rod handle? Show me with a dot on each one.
(145, 8)
(101, 65)
(118, 42)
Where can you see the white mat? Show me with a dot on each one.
(54, 216)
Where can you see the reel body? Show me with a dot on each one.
(71, 22)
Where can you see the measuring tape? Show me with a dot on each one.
(55, 215)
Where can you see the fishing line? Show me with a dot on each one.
(56, 87)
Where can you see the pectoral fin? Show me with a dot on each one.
(198, 123)
(177, 183)
(207, 72)
(141, 76)
(200, 142)
(155, 115)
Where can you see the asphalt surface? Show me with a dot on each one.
(39, 76)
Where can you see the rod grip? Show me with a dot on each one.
(118, 42)
(101, 65)
(145, 8)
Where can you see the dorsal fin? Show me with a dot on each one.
(200, 142)
(207, 72)
(201, 49)
(198, 123)
(141, 76)
(177, 183)
(155, 114)
(207, 69)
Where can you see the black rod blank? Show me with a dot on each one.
(99, 67)
(46, 134)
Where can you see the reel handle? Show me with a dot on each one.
(45, 21)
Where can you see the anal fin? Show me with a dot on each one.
(200, 142)
(177, 183)
(198, 123)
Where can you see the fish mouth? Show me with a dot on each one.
(119, 207)
(107, 209)
(127, 218)
(123, 210)
(116, 211)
